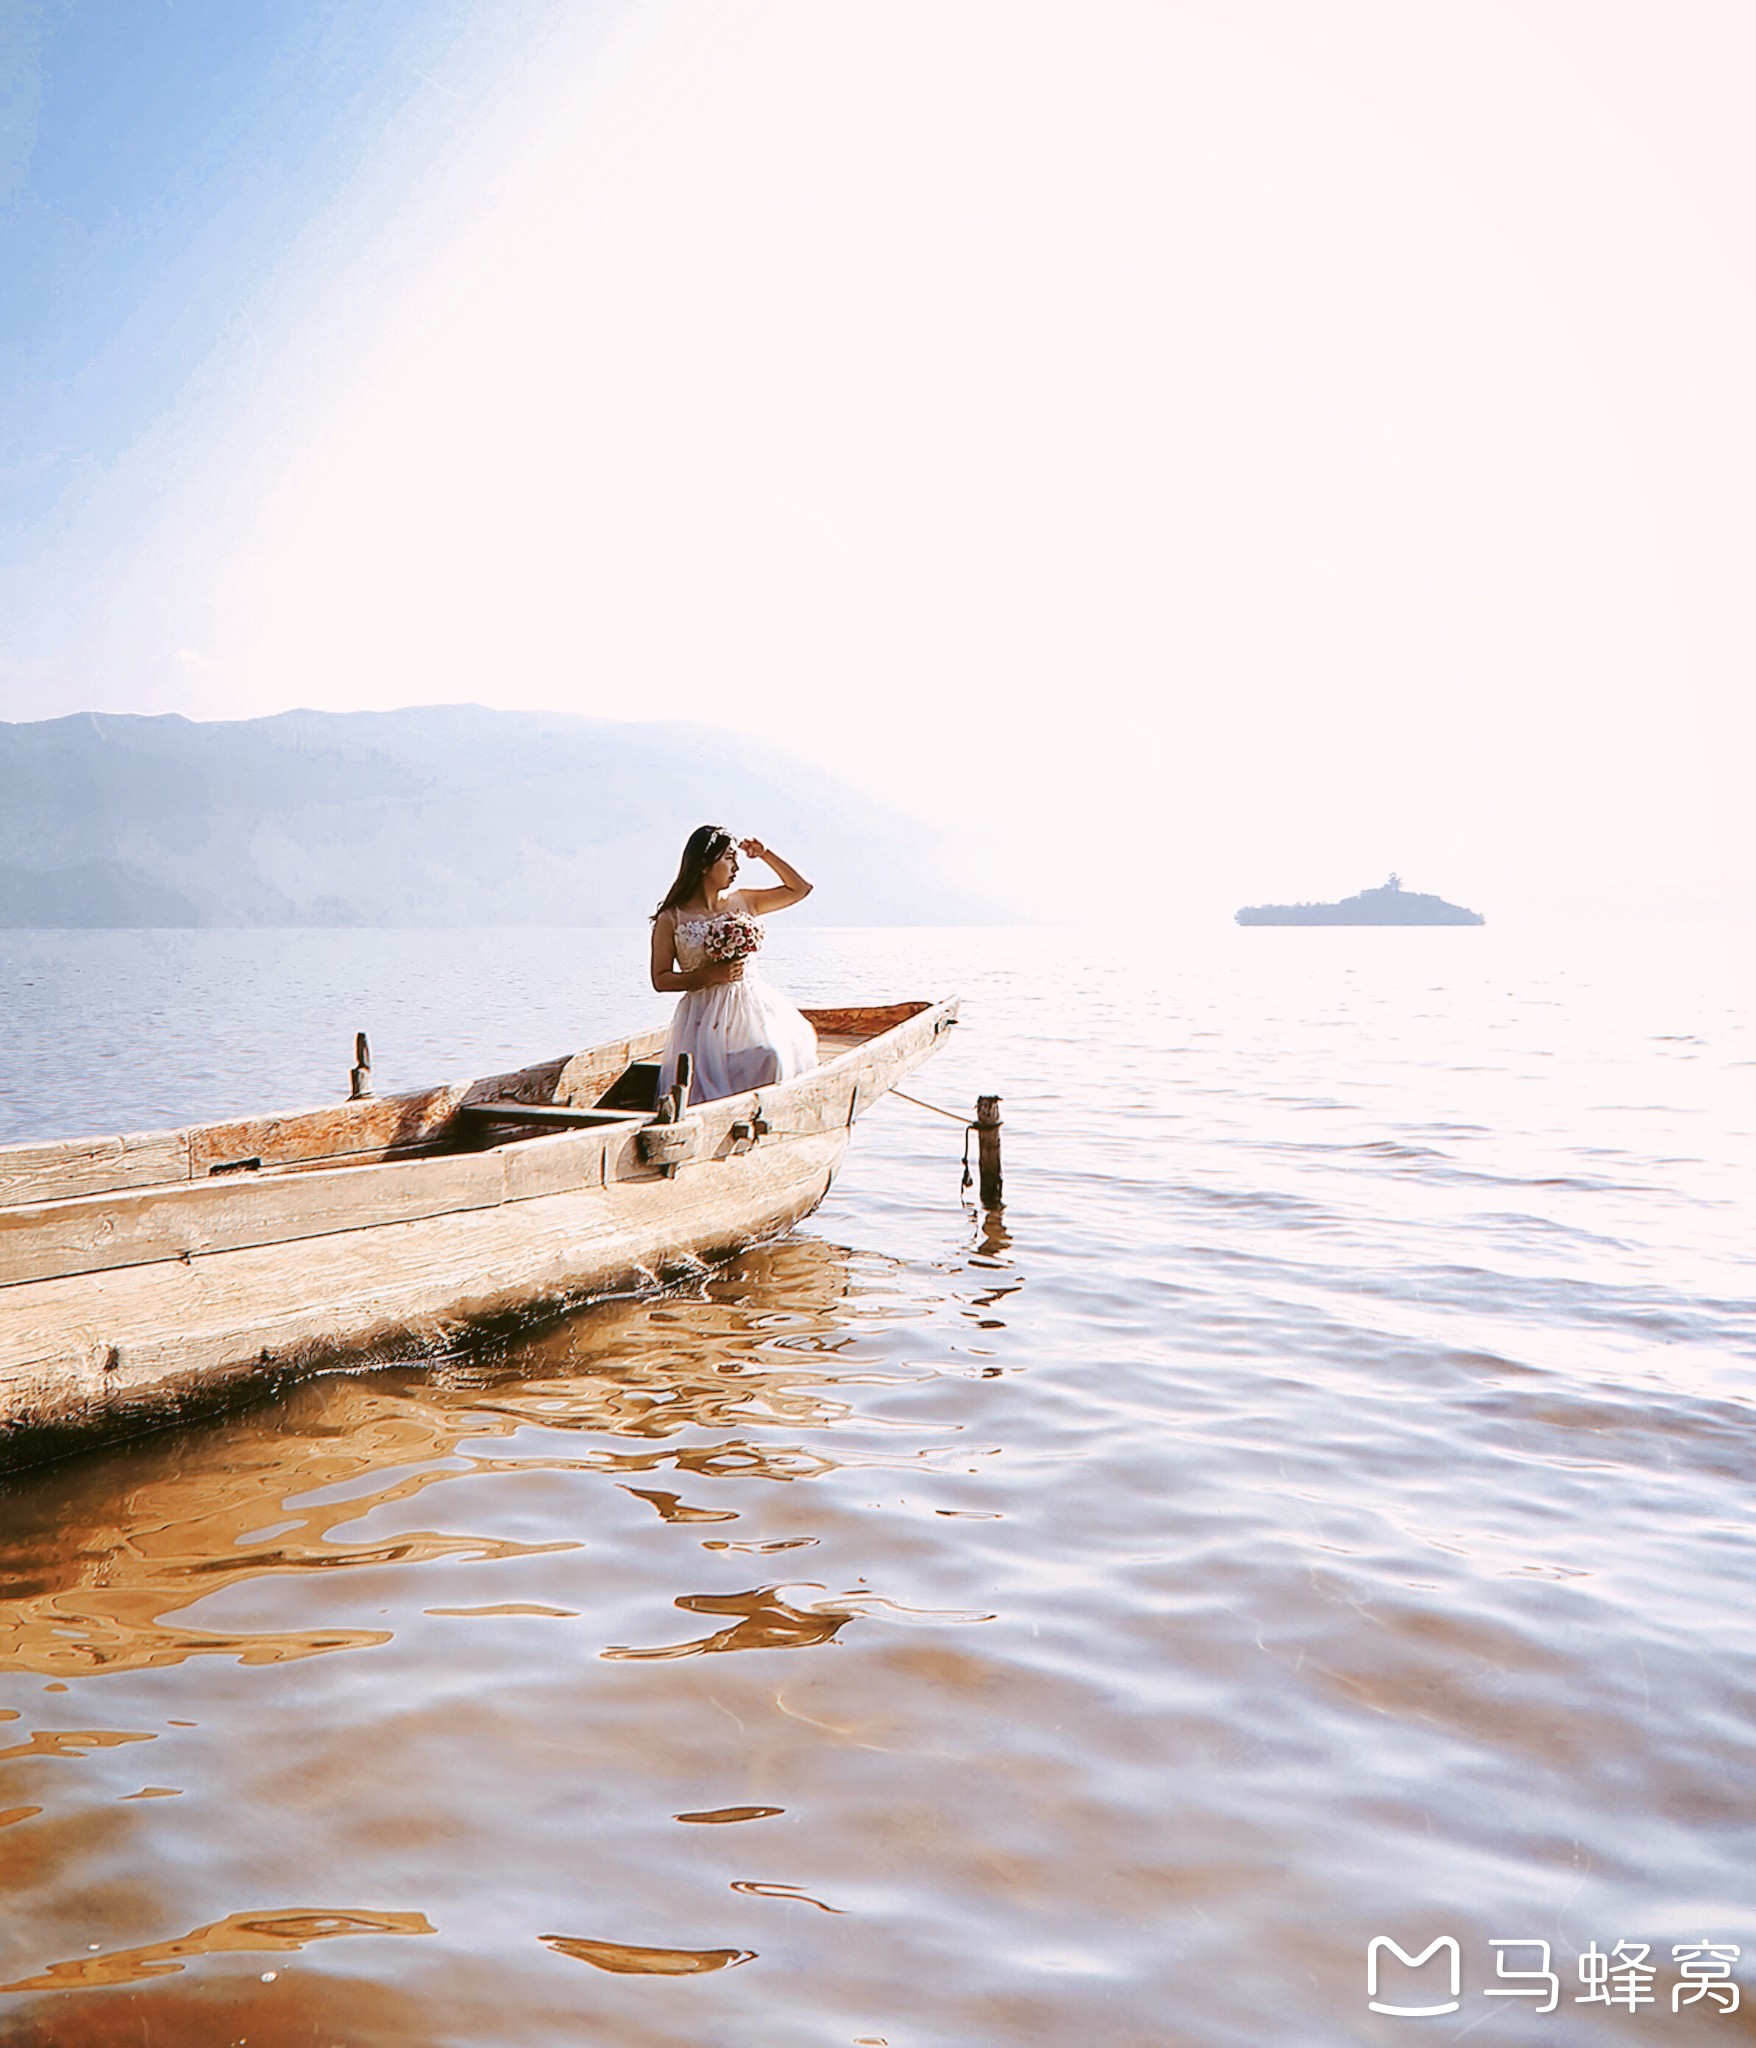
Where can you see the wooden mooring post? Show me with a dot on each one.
(988, 1149)
(360, 1080)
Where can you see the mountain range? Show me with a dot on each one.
(435, 815)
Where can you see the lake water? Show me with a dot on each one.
(1318, 1508)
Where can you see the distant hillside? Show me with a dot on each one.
(442, 815)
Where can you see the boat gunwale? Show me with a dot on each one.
(179, 1220)
(441, 1140)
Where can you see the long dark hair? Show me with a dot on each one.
(705, 845)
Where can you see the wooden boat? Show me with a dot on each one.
(144, 1276)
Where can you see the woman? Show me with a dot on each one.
(737, 1031)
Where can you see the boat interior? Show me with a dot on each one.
(608, 1085)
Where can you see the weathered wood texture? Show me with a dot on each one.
(136, 1228)
(382, 1127)
(139, 1301)
(132, 1343)
(988, 1149)
(96, 1233)
(84, 1166)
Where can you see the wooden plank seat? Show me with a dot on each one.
(550, 1113)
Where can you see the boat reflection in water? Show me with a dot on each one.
(548, 1545)
(265, 1493)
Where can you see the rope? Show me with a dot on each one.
(955, 1118)
(934, 1107)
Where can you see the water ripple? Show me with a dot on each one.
(1318, 1507)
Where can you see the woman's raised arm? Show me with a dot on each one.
(794, 887)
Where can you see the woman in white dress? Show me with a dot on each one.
(738, 1032)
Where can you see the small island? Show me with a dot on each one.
(1390, 903)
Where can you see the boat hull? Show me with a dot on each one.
(184, 1294)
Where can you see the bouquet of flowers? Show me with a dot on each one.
(734, 936)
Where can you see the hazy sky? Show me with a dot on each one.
(1215, 449)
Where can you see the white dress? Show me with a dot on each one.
(740, 1034)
